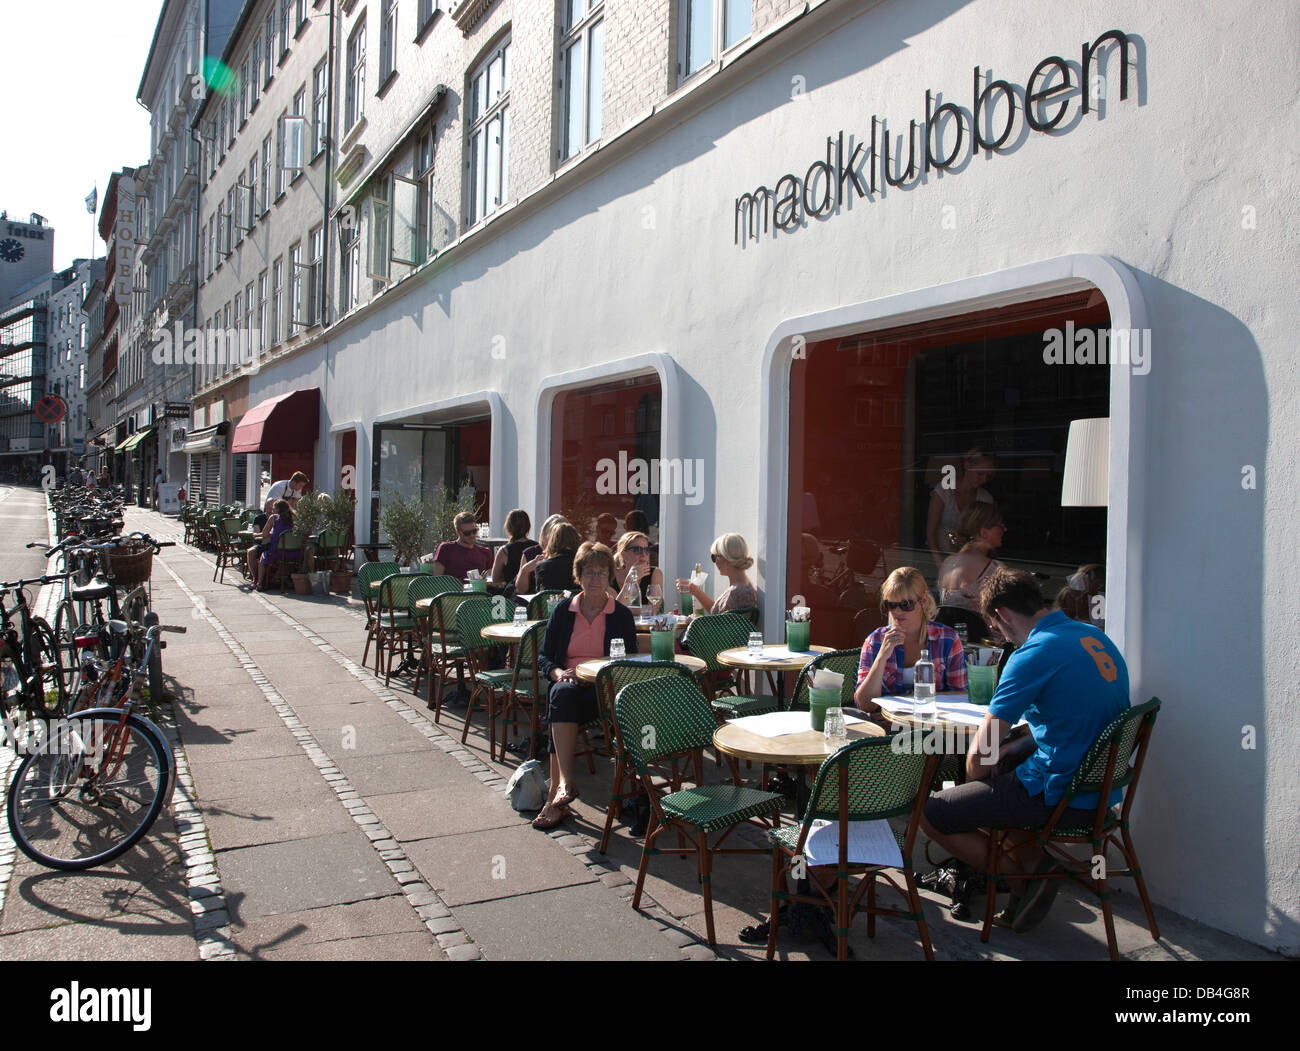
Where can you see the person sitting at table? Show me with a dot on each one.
(262, 526)
(1078, 600)
(456, 558)
(633, 550)
(947, 504)
(1067, 681)
(580, 629)
(525, 579)
(730, 554)
(505, 567)
(606, 527)
(890, 653)
(555, 571)
(277, 525)
(980, 533)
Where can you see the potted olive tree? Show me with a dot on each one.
(308, 520)
(444, 506)
(406, 521)
(339, 517)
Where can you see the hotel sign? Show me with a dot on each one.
(124, 241)
(949, 134)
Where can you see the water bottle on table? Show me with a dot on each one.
(923, 686)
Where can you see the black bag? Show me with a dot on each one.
(959, 882)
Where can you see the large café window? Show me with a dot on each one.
(598, 435)
(876, 418)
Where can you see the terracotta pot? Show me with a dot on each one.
(301, 583)
(341, 582)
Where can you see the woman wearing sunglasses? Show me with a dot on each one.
(731, 555)
(633, 551)
(891, 651)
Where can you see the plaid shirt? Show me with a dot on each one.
(945, 650)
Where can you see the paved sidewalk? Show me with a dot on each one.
(334, 820)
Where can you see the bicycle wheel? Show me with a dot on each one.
(65, 628)
(51, 692)
(89, 794)
(156, 686)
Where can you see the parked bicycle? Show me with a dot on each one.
(31, 672)
(92, 786)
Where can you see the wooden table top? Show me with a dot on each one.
(808, 748)
(740, 658)
(507, 631)
(588, 670)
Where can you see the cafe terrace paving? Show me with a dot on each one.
(326, 817)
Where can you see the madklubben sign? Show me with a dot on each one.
(826, 183)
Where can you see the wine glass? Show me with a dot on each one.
(654, 595)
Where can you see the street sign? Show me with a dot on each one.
(50, 409)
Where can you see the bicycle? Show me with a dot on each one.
(95, 784)
(30, 667)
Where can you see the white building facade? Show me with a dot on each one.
(758, 275)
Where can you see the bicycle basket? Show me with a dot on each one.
(131, 563)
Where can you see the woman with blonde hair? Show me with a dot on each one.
(890, 652)
(633, 551)
(532, 557)
(731, 555)
(980, 533)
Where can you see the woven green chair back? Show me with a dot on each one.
(882, 780)
(420, 586)
(530, 644)
(537, 605)
(613, 676)
(663, 717)
(443, 584)
(843, 661)
(230, 528)
(290, 542)
(1125, 729)
(443, 610)
(373, 572)
(472, 616)
(707, 636)
(393, 593)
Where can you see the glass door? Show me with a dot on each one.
(410, 459)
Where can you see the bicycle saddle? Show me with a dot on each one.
(97, 588)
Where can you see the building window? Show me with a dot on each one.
(245, 92)
(277, 301)
(427, 241)
(923, 405)
(349, 268)
(296, 320)
(387, 39)
(582, 63)
(314, 274)
(301, 11)
(263, 338)
(280, 169)
(286, 25)
(235, 337)
(263, 203)
(253, 212)
(319, 102)
(708, 23)
(355, 103)
(250, 338)
(378, 229)
(489, 133)
(255, 71)
(424, 15)
(594, 424)
(270, 43)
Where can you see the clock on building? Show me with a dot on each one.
(11, 250)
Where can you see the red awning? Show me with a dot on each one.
(287, 423)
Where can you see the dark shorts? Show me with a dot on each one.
(1000, 801)
(572, 702)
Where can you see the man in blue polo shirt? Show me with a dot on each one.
(1067, 681)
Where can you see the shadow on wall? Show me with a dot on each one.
(1201, 616)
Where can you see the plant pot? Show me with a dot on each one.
(341, 582)
(301, 583)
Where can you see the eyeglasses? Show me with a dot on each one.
(904, 606)
(638, 549)
(472, 531)
(595, 574)
(713, 559)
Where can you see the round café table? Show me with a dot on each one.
(740, 658)
(504, 631)
(807, 748)
(588, 670)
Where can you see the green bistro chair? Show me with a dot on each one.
(537, 606)
(705, 637)
(660, 722)
(609, 681)
(527, 690)
(290, 550)
(472, 616)
(1114, 760)
(188, 518)
(396, 628)
(446, 653)
(866, 780)
(230, 551)
(443, 584)
(372, 573)
(422, 587)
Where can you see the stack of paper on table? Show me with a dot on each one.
(782, 653)
(779, 724)
(870, 843)
(952, 707)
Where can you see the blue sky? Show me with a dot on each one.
(68, 80)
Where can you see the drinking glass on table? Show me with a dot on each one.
(654, 595)
(521, 616)
(756, 644)
(617, 649)
(835, 728)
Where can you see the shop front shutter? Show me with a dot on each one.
(194, 491)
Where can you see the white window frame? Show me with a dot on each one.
(319, 107)
(297, 312)
(265, 202)
(718, 47)
(354, 106)
(271, 24)
(577, 35)
(277, 300)
(387, 39)
(481, 120)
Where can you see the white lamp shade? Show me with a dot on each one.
(1087, 466)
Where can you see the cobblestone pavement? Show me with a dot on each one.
(320, 815)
